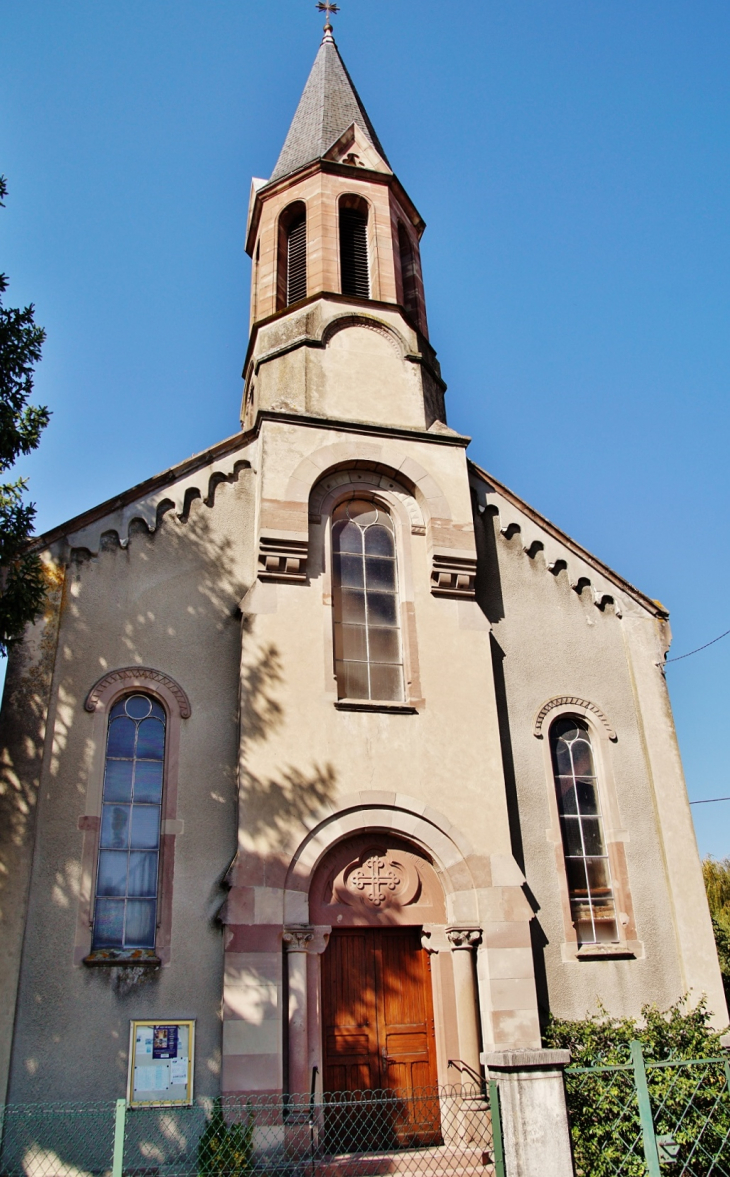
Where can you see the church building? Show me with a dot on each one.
(327, 745)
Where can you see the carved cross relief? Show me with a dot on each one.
(375, 878)
(378, 879)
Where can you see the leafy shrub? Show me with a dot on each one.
(690, 1104)
(716, 874)
(225, 1149)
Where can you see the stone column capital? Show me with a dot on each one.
(297, 938)
(463, 937)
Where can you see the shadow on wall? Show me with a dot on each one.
(277, 808)
(22, 740)
(149, 603)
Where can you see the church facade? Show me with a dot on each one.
(326, 740)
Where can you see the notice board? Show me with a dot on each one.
(161, 1059)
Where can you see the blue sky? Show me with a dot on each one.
(570, 158)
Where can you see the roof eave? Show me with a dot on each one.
(641, 598)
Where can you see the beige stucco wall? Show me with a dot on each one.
(167, 601)
(459, 770)
(551, 641)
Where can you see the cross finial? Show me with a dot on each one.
(329, 10)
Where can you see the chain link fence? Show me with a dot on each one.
(434, 1132)
(648, 1117)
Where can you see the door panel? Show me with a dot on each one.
(378, 1031)
(350, 1020)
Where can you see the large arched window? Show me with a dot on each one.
(408, 272)
(125, 912)
(368, 658)
(354, 269)
(592, 904)
(292, 276)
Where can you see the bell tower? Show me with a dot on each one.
(338, 313)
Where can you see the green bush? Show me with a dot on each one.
(690, 1104)
(225, 1150)
(716, 874)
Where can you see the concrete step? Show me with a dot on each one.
(443, 1161)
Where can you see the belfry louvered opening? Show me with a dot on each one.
(292, 276)
(296, 261)
(408, 272)
(354, 269)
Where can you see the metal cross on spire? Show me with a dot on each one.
(329, 10)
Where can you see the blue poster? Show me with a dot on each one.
(164, 1042)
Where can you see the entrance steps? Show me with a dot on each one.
(441, 1161)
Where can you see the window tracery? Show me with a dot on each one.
(368, 650)
(592, 902)
(125, 911)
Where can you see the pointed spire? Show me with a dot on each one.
(328, 106)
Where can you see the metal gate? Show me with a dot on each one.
(645, 1118)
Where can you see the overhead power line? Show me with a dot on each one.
(709, 800)
(681, 656)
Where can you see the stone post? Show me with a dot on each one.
(535, 1130)
(297, 939)
(463, 941)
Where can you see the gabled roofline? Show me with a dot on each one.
(157, 482)
(228, 445)
(654, 607)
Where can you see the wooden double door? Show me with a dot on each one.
(378, 1030)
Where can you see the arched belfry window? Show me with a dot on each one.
(125, 911)
(292, 276)
(592, 903)
(354, 267)
(408, 272)
(368, 658)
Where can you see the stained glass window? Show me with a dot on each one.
(589, 875)
(125, 913)
(368, 658)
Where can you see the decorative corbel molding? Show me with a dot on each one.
(283, 559)
(570, 701)
(453, 576)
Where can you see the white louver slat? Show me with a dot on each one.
(296, 262)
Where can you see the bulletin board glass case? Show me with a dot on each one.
(161, 1060)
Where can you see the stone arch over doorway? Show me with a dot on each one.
(462, 872)
(375, 900)
(469, 909)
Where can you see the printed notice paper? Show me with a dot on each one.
(178, 1072)
(152, 1078)
(144, 1041)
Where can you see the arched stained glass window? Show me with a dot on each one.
(368, 658)
(125, 913)
(592, 902)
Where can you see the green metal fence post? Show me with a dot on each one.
(497, 1144)
(651, 1152)
(119, 1126)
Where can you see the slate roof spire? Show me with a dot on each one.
(328, 106)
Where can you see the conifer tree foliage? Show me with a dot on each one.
(22, 583)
